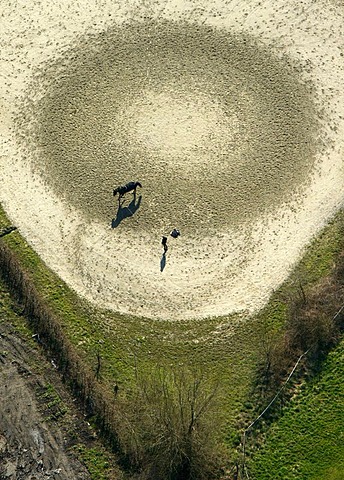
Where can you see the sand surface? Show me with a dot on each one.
(230, 114)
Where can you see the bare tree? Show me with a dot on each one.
(175, 425)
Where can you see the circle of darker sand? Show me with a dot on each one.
(86, 148)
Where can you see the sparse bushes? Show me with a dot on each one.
(314, 324)
(175, 425)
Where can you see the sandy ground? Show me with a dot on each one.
(230, 113)
(30, 448)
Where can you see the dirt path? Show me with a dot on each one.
(30, 448)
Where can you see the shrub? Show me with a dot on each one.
(173, 425)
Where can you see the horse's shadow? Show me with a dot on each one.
(125, 212)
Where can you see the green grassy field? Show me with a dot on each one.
(226, 349)
(308, 440)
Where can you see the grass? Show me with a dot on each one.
(51, 402)
(227, 348)
(307, 442)
(96, 461)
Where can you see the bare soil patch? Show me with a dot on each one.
(30, 446)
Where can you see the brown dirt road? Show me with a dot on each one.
(30, 446)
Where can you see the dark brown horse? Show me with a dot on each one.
(123, 189)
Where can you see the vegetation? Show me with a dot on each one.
(95, 460)
(175, 422)
(307, 441)
(53, 404)
(313, 324)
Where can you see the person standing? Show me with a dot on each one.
(164, 244)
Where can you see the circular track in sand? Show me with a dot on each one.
(230, 115)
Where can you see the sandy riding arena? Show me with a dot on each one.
(230, 114)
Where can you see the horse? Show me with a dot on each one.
(123, 189)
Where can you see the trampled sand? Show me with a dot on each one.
(230, 114)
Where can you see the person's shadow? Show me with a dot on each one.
(125, 212)
(163, 262)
